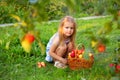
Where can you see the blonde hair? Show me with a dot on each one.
(60, 29)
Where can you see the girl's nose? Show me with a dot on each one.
(69, 29)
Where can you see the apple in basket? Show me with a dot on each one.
(81, 51)
(80, 56)
(39, 65)
(72, 54)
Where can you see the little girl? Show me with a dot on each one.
(62, 42)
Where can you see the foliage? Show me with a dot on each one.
(27, 25)
(8, 8)
(56, 9)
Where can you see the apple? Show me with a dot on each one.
(101, 47)
(118, 66)
(29, 37)
(80, 56)
(111, 65)
(72, 54)
(27, 41)
(69, 55)
(43, 64)
(39, 65)
(26, 45)
(81, 51)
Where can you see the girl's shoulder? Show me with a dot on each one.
(55, 38)
(55, 35)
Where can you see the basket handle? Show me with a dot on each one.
(80, 46)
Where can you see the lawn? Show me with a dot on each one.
(15, 64)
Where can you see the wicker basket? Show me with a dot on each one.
(77, 62)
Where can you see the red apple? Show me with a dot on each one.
(101, 47)
(72, 54)
(39, 65)
(118, 66)
(111, 65)
(81, 51)
(29, 37)
(43, 64)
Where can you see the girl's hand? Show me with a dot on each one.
(64, 60)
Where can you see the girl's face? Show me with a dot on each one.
(68, 29)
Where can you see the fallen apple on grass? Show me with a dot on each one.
(41, 64)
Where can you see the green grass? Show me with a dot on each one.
(15, 64)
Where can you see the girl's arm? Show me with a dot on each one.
(71, 46)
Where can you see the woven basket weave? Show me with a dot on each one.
(78, 63)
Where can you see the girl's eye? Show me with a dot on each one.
(67, 27)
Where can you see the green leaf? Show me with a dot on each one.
(7, 45)
(118, 24)
(112, 70)
(42, 47)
